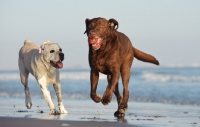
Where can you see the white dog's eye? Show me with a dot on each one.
(52, 51)
(60, 50)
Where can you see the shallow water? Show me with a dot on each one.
(175, 85)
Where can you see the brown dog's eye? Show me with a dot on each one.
(52, 51)
(91, 25)
(60, 50)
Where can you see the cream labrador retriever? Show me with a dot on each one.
(43, 63)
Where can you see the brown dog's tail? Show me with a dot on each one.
(144, 57)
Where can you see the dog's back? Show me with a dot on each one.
(28, 47)
(25, 54)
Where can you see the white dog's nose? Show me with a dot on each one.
(61, 56)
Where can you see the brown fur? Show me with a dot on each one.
(113, 58)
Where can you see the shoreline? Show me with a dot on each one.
(88, 112)
(32, 122)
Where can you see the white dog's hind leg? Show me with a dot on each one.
(57, 88)
(28, 98)
(24, 80)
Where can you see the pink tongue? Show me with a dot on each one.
(91, 40)
(60, 64)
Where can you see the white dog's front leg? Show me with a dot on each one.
(62, 108)
(57, 88)
(47, 96)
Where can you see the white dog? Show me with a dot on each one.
(43, 63)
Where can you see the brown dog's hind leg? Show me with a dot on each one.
(119, 100)
(117, 94)
(94, 77)
(125, 75)
(115, 91)
(123, 105)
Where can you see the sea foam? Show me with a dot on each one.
(156, 77)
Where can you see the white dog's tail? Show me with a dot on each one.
(27, 41)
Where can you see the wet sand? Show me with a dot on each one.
(86, 113)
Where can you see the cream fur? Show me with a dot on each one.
(32, 60)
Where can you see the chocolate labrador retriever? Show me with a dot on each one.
(111, 53)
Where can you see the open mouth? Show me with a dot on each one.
(57, 64)
(95, 42)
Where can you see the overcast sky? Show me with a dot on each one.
(167, 29)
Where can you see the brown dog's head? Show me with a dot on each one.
(98, 29)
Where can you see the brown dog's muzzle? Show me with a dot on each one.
(91, 34)
(94, 40)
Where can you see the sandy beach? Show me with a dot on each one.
(86, 113)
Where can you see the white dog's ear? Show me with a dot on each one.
(41, 49)
(42, 46)
(47, 42)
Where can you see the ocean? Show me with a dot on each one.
(171, 85)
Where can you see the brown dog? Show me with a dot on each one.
(111, 53)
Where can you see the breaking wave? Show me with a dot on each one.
(79, 75)
(156, 77)
(63, 75)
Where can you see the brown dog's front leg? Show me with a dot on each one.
(107, 97)
(94, 77)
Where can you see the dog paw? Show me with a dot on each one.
(121, 110)
(106, 99)
(54, 112)
(29, 105)
(63, 110)
(96, 98)
(120, 113)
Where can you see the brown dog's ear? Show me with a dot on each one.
(86, 22)
(113, 23)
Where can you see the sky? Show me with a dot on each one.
(166, 29)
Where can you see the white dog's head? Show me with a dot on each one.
(52, 53)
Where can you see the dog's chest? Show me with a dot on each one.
(100, 63)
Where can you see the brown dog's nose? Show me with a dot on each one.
(92, 34)
(61, 56)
